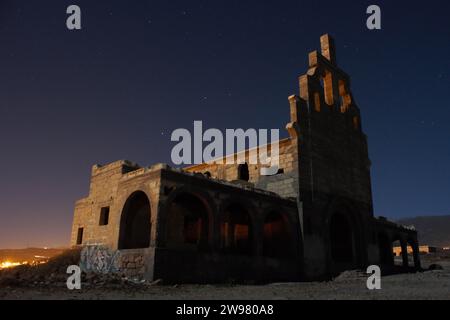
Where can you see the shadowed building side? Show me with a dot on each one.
(220, 222)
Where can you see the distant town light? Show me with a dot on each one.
(9, 264)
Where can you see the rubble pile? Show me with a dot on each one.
(54, 274)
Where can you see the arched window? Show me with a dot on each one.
(278, 242)
(236, 230)
(187, 223)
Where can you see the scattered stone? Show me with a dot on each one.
(156, 282)
(435, 266)
(349, 276)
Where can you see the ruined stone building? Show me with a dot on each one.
(217, 222)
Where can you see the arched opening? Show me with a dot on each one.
(327, 84)
(236, 230)
(135, 222)
(317, 105)
(385, 249)
(344, 96)
(187, 223)
(397, 251)
(277, 238)
(355, 122)
(415, 252)
(342, 240)
(243, 173)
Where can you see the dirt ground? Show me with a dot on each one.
(349, 285)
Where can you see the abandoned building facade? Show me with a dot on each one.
(220, 222)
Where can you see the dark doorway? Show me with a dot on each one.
(188, 222)
(236, 231)
(278, 242)
(135, 223)
(243, 173)
(342, 248)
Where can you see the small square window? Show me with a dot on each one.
(80, 236)
(104, 216)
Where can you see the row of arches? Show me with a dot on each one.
(406, 256)
(191, 224)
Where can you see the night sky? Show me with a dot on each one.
(140, 69)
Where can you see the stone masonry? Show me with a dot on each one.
(217, 222)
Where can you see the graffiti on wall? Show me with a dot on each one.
(100, 259)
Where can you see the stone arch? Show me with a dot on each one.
(278, 237)
(415, 261)
(236, 229)
(188, 219)
(398, 250)
(342, 239)
(135, 222)
(346, 240)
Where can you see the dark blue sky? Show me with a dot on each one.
(140, 69)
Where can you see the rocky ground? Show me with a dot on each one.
(49, 283)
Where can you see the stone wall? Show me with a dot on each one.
(110, 188)
(285, 183)
(137, 263)
(324, 173)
